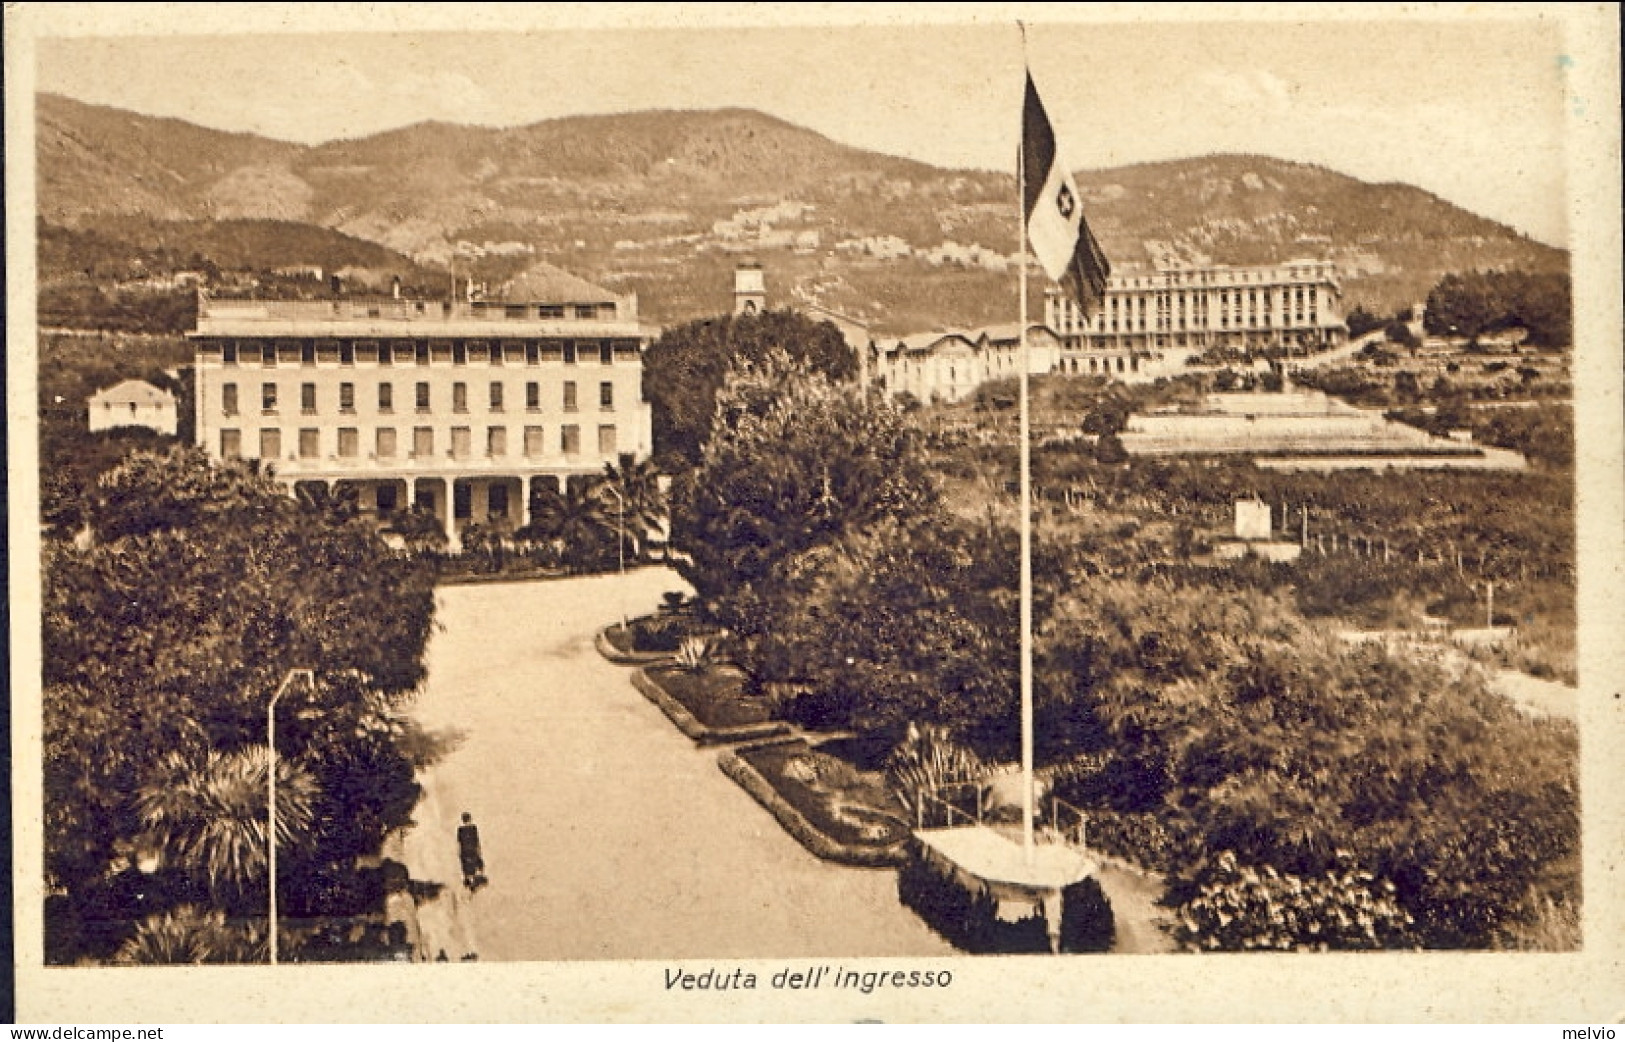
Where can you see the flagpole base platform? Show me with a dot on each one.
(1022, 881)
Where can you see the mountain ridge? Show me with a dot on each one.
(665, 202)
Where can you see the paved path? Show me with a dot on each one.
(606, 833)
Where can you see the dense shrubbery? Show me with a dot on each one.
(164, 640)
(1243, 908)
(1483, 302)
(1240, 728)
(1542, 431)
(1087, 922)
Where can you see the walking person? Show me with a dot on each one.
(468, 850)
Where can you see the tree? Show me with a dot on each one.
(641, 506)
(342, 499)
(419, 529)
(189, 935)
(896, 623)
(1360, 321)
(574, 523)
(1481, 302)
(209, 817)
(166, 637)
(793, 461)
(150, 491)
(687, 366)
(1108, 417)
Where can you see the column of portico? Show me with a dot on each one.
(454, 542)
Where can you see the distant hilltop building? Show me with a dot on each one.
(459, 406)
(1296, 306)
(133, 403)
(750, 289)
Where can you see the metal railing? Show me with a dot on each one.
(945, 806)
(925, 800)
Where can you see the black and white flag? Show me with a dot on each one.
(1059, 235)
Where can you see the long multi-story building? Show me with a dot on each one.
(459, 406)
(945, 366)
(1164, 316)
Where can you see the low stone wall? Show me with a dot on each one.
(796, 823)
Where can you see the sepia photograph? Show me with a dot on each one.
(1009, 512)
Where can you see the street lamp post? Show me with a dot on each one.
(270, 835)
(620, 538)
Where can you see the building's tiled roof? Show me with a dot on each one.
(1011, 331)
(138, 391)
(1006, 333)
(925, 341)
(545, 283)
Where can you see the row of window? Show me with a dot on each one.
(386, 444)
(1128, 311)
(422, 397)
(1204, 278)
(1165, 322)
(420, 352)
(1100, 365)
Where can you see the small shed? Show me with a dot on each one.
(133, 403)
(1252, 519)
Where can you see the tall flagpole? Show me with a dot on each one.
(1027, 793)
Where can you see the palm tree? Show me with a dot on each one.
(209, 818)
(341, 502)
(575, 523)
(644, 501)
(190, 935)
(419, 529)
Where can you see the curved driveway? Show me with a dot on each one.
(606, 833)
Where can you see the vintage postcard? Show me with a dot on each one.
(843, 512)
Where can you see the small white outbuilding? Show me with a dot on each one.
(133, 403)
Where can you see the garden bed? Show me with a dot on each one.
(708, 705)
(616, 645)
(833, 809)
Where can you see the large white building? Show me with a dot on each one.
(460, 406)
(1163, 317)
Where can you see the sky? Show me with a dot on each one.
(1466, 105)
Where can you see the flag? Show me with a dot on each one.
(1053, 209)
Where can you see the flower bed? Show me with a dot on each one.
(619, 647)
(853, 808)
(715, 695)
(700, 706)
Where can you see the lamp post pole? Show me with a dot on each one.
(270, 835)
(620, 538)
